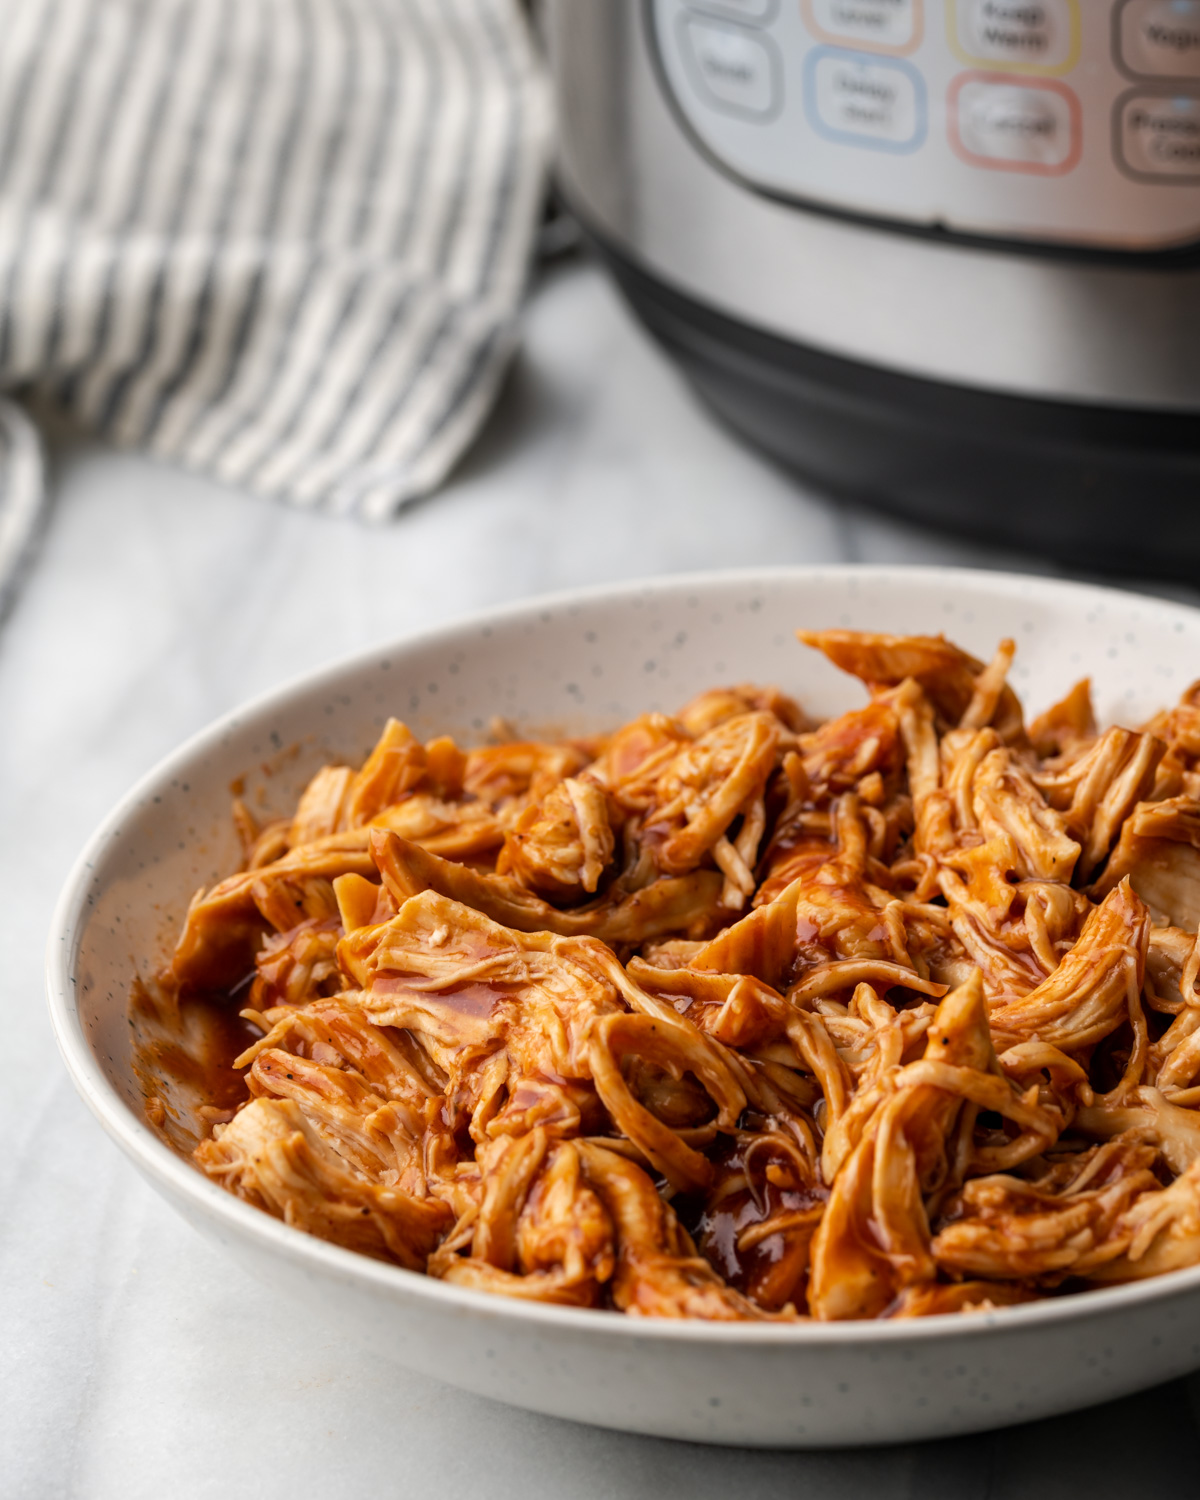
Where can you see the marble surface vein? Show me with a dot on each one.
(134, 1360)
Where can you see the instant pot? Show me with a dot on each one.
(939, 255)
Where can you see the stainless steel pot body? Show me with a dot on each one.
(738, 150)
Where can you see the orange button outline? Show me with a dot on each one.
(1023, 81)
(855, 44)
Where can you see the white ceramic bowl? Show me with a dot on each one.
(580, 661)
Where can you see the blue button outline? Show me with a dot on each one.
(847, 137)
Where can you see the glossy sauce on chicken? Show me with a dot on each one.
(726, 1015)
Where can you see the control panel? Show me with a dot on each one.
(1068, 121)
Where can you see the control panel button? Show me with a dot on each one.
(864, 101)
(748, 10)
(1040, 35)
(735, 69)
(1015, 125)
(890, 25)
(1158, 136)
(1159, 38)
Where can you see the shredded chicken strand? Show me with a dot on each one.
(729, 1014)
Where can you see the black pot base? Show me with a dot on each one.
(1097, 487)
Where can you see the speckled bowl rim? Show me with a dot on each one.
(160, 1164)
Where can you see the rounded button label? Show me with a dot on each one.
(749, 10)
(1159, 38)
(1038, 36)
(886, 25)
(864, 101)
(1015, 125)
(1158, 136)
(734, 69)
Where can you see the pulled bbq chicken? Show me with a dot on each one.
(728, 1014)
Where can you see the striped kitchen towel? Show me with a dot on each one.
(22, 499)
(282, 242)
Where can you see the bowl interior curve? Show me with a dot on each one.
(559, 665)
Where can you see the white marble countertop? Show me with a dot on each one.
(135, 1360)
